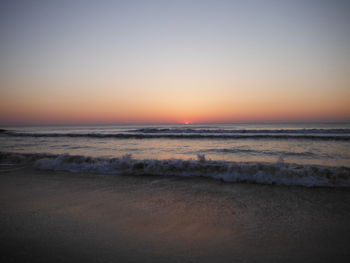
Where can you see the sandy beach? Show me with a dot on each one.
(50, 216)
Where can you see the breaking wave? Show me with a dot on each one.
(253, 172)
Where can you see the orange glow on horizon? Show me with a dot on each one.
(183, 101)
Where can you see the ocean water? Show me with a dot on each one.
(310, 154)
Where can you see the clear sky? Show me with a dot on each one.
(174, 61)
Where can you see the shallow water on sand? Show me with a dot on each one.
(65, 217)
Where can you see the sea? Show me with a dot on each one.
(304, 154)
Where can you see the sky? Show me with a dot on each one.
(76, 62)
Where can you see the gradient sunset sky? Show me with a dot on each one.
(74, 62)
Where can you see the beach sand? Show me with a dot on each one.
(50, 216)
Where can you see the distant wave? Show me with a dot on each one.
(242, 131)
(252, 172)
(321, 136)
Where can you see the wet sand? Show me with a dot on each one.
(50, 216)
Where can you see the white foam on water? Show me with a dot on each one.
(253, 172)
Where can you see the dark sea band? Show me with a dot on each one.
(327, 137)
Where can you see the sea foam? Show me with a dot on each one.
(253, 172)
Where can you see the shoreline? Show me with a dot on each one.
(69, 217)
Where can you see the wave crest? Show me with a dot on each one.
(252, 172)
